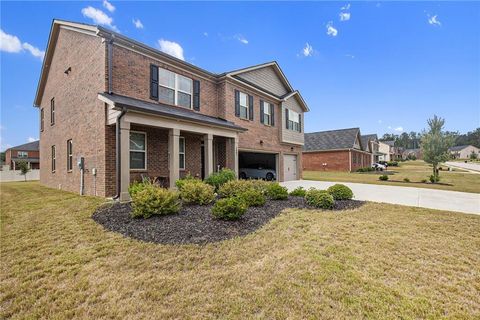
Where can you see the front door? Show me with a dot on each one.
(289, 167)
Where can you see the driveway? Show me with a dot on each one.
(417, 197)
(472, 167)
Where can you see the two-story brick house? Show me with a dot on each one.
(27, 152)
(129, 110)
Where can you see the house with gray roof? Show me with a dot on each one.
(464, 152)
(28, 152)
(336, 150)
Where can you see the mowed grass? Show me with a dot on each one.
(416, 171)
(378, 262)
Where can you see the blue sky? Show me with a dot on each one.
(381, 66)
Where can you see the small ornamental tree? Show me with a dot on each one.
(435, 144)
(24, 168)
(473, 155)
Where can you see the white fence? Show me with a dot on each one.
(14, 175)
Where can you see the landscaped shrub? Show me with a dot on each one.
(424, 180)
(217, 179)
(383, 177)
(319, 199)
(197, 192)
(229, 208)
(340, 192)
(276, 191)
(406, 180)
(434, 179)
(180, 182)
(298, 192)
(392, 163)
(153, 199)
(365, 169)
(138, 186)
(260, 185)
(253, 197)
(234, 188)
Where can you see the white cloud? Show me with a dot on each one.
(398, 129)
(307, 50)
(344, 16)
(98, 17)
(351, 56)
(241, 38)
(171, 48)
(205, 34)
(433, 20)
(380, 121)
(346, 7)
(138, 24)
(31, 139)
(107, 5)
(11, 43)
(331, 31)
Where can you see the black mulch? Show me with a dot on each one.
(195, 224)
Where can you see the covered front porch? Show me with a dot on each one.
(167, 143)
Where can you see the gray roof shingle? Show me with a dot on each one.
(458, 148)
(366, 138)
(331, 140)
(31, 146)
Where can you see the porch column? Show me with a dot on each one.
(235, 155)
(208, 149)
(124, 160)
(173, 156)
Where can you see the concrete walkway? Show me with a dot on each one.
(471, 167)
(417, 197)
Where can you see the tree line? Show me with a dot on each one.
(412, 140)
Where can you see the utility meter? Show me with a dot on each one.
(81, 163)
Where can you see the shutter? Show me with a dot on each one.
(196, 95)
(299, 122)
(153, 82)
(237, 103)
(262, 112)
(286, 118)
(250, 107)
(272, 114)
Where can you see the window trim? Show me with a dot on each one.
(20, 154)
(54, 158)
(269, 106)
(52, 111)
(247, 117)
(145, 151)
(69, 155)
(292, 127)
(181, 138)
(42, 119)
(176, 89)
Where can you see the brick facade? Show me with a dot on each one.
(339, 160)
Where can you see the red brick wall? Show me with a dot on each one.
(79, 115)
(335, 160)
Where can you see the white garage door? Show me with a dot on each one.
(289, 167)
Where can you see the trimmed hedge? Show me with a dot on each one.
(275, 191)
(253, 198)
(340, 192)
(229, 208)
(180, 182)
(298, 192)
(151, 200)
(197, 192)
(319, 199)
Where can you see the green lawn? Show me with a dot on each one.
(377, 262)
(416, 171)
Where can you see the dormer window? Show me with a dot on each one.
(174, 89)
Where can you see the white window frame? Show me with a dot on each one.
(144, 151)
(291, 123)
(247, 106)
(267, 106)
(22, 154)
(69, 155)
(52, 111)
(181, 140)
(54, 158)
(176, 89)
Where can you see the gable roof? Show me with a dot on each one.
(391, 143)
(366, 138)
(458, 148)
(331, 140)
(30, 146)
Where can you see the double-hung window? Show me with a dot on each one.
(267, 113)
(174, 89)
(244, 105)
(293, 121)
(52, 111)
(22, 154)
(53, 159)
(69, 155)
(138, 150)
(42, 118)
(181, 153)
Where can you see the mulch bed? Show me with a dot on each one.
(195, 224)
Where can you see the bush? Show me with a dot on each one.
(365, 169)
(434, 179)
(406, 180)
(253, 198)
(424, 180)
(392, 163)
(229, 208)
(180, 182)
(197, 192)
(138, 186)
(383, 177)
(276, 192)
(340, 192)
(319, 199)
(298, 192)
(152, 199)
(233, 188)
(217, 179)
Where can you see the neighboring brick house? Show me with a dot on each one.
(464, 152)
(131, 111)
(28, 152)
(371, 144)
(335, 150)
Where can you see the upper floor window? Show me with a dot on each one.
(174, 89)
(52, 111)
(244, 105)
(22, 154)
(69, 155)
(267, 116)
(293, 120)
(42, 118)
(54, 159)
(181, 152)
(138, 150)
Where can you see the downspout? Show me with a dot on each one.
(118, 154)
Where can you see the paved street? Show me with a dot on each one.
(472, 167)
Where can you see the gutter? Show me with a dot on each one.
(118, 154)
